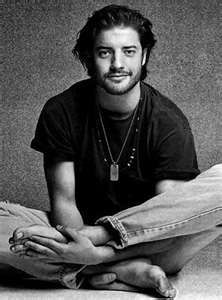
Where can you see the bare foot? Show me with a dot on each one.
(117, 286)
(138, 273)
(22, 234)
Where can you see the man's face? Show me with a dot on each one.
(118, 59)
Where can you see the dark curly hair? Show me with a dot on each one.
(108, 17)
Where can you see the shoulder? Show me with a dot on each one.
(74, 98)
(164, 111)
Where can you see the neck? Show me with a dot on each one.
(121, 105)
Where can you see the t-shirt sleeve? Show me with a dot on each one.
(175, 154)
(52, 135)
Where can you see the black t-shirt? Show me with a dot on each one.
(160, 141)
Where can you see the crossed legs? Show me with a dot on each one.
(191, 219)
(145, 263)
(142, 266)
(149, 269)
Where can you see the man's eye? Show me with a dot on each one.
(129, 52)
(103, 54)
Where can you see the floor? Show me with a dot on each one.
(201, 279)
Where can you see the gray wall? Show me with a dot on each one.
(38, 64)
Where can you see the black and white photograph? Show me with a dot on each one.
(111, 181)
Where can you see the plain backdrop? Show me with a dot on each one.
(38, 64)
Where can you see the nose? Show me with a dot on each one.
(117, 61)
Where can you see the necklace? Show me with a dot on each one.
(114, 166)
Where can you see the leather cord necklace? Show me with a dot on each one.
(114, 166)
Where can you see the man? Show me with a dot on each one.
(111, 143)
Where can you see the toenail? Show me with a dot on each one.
(19, 235)
(171, 293)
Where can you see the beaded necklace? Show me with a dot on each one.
(114, 165)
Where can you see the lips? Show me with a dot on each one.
(117, 78)
(119, 75)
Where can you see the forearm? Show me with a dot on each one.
(99, 236)
(60, 178)
(66, 213)
(109, 254)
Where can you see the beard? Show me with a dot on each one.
(121, 87)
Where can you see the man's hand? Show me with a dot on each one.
(22, 234)
(79, 249)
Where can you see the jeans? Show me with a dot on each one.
(191, 212)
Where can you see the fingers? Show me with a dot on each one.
(39, 249)
(18, 249)
(32, 249)
(102, 279)
(41, 244)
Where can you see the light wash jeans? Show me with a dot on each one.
(192, 209)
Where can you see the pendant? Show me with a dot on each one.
(114, 172)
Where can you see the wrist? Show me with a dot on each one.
(105, 254)
(98, 234)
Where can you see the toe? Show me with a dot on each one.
(165, 288)
(161, 282)
(25, 232)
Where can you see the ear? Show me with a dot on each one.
(144, 54)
